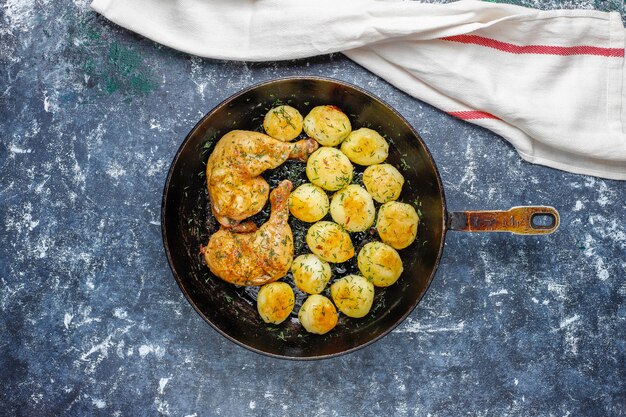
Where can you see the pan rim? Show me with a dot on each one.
(224, 103)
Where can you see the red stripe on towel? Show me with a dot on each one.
(472, 114)
(536, 49)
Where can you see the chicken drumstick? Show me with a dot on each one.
(233, 173)
(259, 257)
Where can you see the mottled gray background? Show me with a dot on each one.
(93, 323)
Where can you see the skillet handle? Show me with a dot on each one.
(524, 220)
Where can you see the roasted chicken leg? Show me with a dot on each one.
(233, 173)
(259, 257)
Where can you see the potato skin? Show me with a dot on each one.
(353, 295)
(318, 314)
(380, 263)
(275, 302)
(365, 146)
(330, 242)
(329, 168)
(383, 181)
(310, 273)
(352, 207)
(327, 124)
(397, 224)
(283, 123)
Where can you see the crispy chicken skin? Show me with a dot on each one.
(233, 173)
(254, 258)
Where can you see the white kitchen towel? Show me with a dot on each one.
(552, 83)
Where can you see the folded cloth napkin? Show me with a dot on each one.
(552, 83)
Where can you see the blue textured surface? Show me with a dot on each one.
(93, 323)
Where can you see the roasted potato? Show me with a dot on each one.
(380, 263)
(327, 124)
(397, 224)
(310, 273)
(353, 208)
(283, 123)
(365, 147)
(353, 295)
(308, 203)
(383, 181)
(275, 302)
(330, 242)
(318, 314)
(329, 168)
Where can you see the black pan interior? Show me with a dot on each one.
(187, 222)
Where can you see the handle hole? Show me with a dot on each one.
(543, 220)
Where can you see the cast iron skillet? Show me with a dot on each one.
(187, 221)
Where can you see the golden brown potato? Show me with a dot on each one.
(365, 147)
(380, 263)
(329, 168)
(275, 302)
(308, 203)
(330, 242)
(327, 124)
(397, 224)
(283, 123)
(353, 208)
(384, 182)
(353, 295)
(310, 273)
(318, 314)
